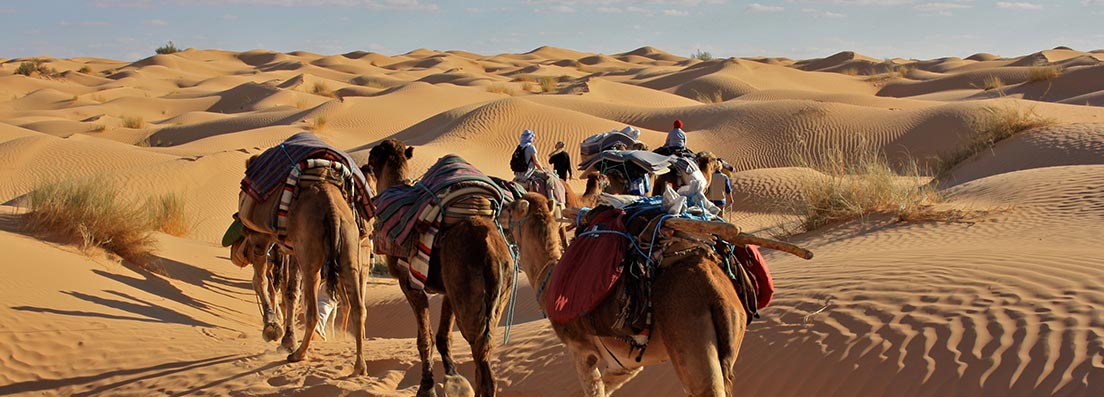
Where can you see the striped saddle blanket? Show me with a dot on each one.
(301, 158)
(409, 216)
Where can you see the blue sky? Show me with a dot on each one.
(132, 29)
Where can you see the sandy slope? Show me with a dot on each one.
(1006, 302)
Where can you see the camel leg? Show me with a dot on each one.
(420, 303)
(455, 384)
(586, 367)
(310, 298)
(291, 296)
(617, 376)
(352, 281)
(268, 311)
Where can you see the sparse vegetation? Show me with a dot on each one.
(702, 55)
(320, 88)
(714, 97)
(547, 84)
(500, 89)
(132, 122)
(91, 215)
(318, 124)
(524, 78)
(35, 68)
(169, 48)
(997, 124)
(99, 98)
(1043, 73)
(84, 69)
(528, 86)
(166, 214)
(992, 83)
(98, 128)
(858, 182)
(850, 72)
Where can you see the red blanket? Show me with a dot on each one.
(589, 269)
(760, 273)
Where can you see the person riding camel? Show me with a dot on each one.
(524, 160)
(676, 142)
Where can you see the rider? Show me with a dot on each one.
(676, 142)
(525, 148)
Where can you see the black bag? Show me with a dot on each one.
(517, 161)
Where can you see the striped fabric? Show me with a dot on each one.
(288, 161)
(409, 217)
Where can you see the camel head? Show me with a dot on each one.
(596, 180)
(388, 160)
(534, 228)
(252, 248)
(616, 182)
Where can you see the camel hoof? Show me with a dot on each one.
(294, 358)
(458, 386)
(360, 369)
(272, 332)
(427, 391)
(288, 343)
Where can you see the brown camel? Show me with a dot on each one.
(323, 236)
(471, 265)
(596, 183)
(273, 276)
(699, 321)
(706, 163)
(321, 210)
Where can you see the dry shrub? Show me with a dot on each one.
(850, 71)
(525, 78)
(547, 84)
(322, 89)
(500, 89)
(35, 67)
(857, 183)
(1043, 73)
(92, 215)
(992, 83)
(714, 97)
(166, 214)
(84, 69)
(995, 125)
(132, 122)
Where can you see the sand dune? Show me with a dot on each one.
(1006, 301)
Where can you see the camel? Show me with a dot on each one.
(699, 320)
(596, 183)
(323, 235)
(272, 277)
(705, 162)
(470, 264)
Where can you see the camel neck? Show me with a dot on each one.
(391, 176)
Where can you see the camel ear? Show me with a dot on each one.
(409, 152)
(366, 169)
(523, 206)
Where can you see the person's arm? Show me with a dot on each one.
(570, 173)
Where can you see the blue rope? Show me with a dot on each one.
(517, 268)
(293, 163)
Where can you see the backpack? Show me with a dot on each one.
(517, 160)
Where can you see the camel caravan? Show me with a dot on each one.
(643, 280)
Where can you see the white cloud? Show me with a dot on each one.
(675, 13)
(562, 8)
(823, 14)
(1018, 6)
(155, 22)
(756, 7)
(84, 24)
(940, 9)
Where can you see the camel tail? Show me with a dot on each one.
(331, 225)
(726, 324)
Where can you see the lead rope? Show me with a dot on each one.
(514, 256)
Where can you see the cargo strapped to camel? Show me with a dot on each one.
(301, 158)
(410, 216)
(646, 239)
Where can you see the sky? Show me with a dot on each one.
(131, 29)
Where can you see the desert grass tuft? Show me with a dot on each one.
(858, 182)
(322, 89)
(91, 214)
(992, 83)
(1043, 73)
(167, 214)
(714, 97)
(132, 122)
(997, 123)
(500, 89)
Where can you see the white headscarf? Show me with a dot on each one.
(527, 137)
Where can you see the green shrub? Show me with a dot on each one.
(169, 48)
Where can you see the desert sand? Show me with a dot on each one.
(1009, 303)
